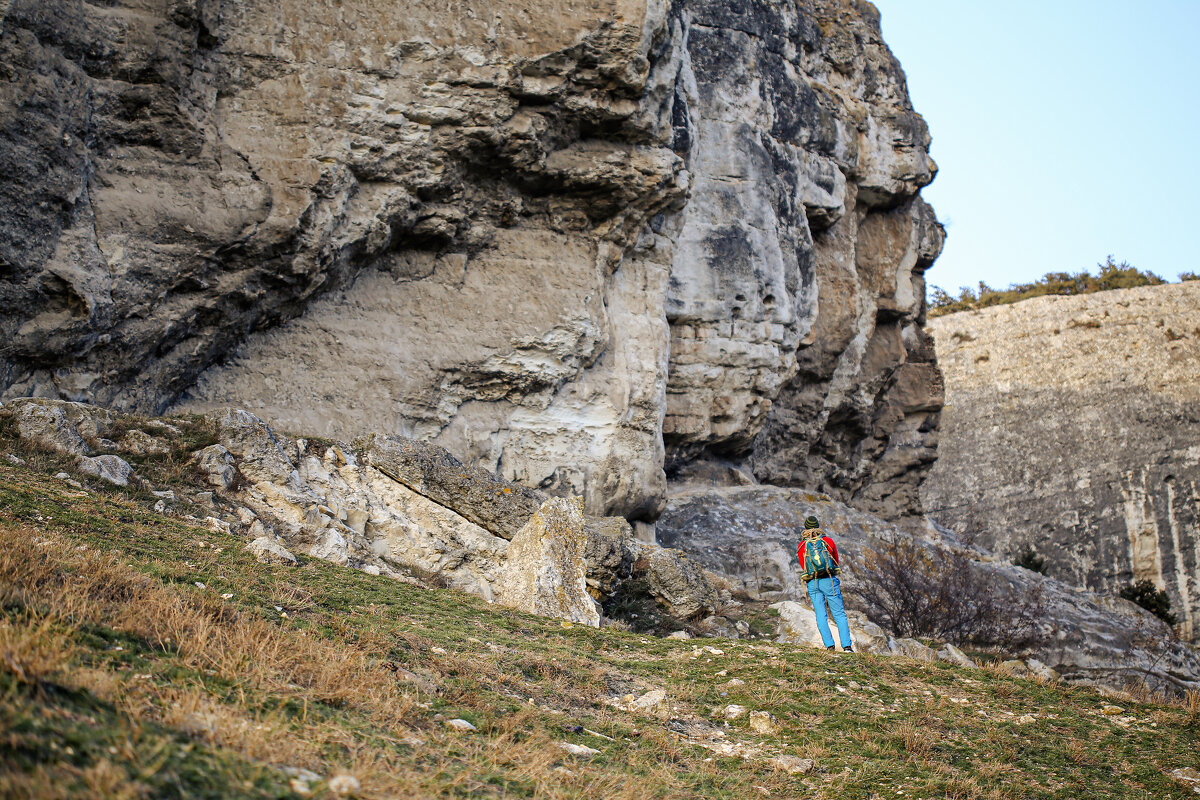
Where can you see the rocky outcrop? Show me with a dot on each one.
(579, 247)
(390, 506)
(1073, 427)
(544, 568)
(749, 536)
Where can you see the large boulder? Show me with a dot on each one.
(680, 584)
(544, 572)
(113, 469)
(70, 428)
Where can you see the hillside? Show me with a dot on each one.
(142, 654)
(1072, 426)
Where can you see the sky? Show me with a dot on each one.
(1063, 130)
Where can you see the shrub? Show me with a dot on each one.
(914, 591)
(1188, 276)
(1151, 598)
(1030, 560)
(1111, 275)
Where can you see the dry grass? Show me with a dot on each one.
(358, 675)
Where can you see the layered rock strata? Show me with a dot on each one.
(749, 535)
(1073, 426)
(579, 246)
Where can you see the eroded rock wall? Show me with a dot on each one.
(579, 245)
(797, 289)
(1073, 425)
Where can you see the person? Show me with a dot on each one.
(819, 568)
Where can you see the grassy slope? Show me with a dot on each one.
(120, 677)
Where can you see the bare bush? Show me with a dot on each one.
(915, 591)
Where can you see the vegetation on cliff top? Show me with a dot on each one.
(142, 655)
(1111, 275)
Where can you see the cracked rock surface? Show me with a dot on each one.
(583, 247)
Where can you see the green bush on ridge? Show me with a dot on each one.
(1111, 276)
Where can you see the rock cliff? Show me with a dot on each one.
(1073, 425)
(584, 245)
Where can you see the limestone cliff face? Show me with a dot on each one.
(582, 244)
(1073, 425)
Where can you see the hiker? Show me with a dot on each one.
(819, 568)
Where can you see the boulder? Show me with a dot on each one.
(793, 765)
(218, 465)
(1040, 671)
(47, 425)
(113, 469)
(952, 655)
(797, 624)
(609, 553)
(270, 551)
(763, 722)
(683, 587)
(544, 571)
(496, 505)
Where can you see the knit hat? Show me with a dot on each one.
(811, 522)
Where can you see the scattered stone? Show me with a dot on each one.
(1026, 719)
(269, 551)
(217, 464)
(160, 507)
(438, 651)
(1040, 671)
(1112, 711)
(763, 722)
(1188, 777)
(461, 725)
(14, 460)
(544, 571)
(62, 476)
(247, 516)
(733, 711)
(344, 784)
(301, 779)
(165, 495)
(793, 765)
(732, 682)
(217, 525)
(653, 703)
(582, 751)
(952, 655)
(113, 469)
(679, 635)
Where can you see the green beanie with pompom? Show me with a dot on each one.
(811, 523)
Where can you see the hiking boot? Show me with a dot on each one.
(848, 649)
(831, 648)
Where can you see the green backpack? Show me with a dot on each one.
(818, 561)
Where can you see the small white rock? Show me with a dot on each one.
(460, 725)
(344, 784)
(580, 750)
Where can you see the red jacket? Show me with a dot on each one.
(828, 543)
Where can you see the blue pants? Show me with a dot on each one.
(822, 591)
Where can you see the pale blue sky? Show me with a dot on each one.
(1064, 130)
